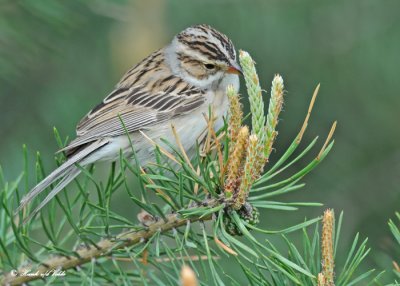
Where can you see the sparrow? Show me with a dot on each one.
(174, 86)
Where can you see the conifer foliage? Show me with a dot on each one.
(191, 214)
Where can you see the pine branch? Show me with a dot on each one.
(104, 247)
(222, 183)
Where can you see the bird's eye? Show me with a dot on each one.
(209, 66)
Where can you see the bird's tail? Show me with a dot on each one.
(65, 173)
(67, 176)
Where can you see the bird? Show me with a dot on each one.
(174, 86)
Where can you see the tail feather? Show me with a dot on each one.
(66, 172)
(56, 174)
(72, 172)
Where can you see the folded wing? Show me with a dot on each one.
(137, 108)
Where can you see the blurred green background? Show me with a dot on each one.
(60, 58)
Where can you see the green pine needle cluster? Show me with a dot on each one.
(181, 225)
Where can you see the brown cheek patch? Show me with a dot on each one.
(194, 68)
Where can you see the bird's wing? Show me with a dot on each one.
(137, 108)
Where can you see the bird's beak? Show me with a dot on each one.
(234, 69)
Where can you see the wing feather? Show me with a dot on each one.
(137, 108)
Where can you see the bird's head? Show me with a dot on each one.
(203, 57)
